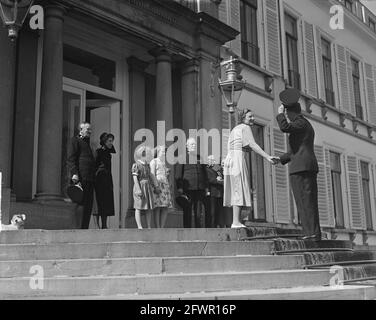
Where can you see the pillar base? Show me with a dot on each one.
(48, 197)
(5, 205)
(47, 215)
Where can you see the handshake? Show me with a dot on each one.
(274, 160)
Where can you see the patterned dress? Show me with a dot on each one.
(147, 182)
(164, 199)
(237, 179)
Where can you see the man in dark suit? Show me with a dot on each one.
(214, 172)
(191, 179)
(81, 166)
(303, 167)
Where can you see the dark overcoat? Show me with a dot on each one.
(104, 187)
(80, 159)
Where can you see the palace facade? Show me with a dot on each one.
(126, 64)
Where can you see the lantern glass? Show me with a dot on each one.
(14, 12)
(232, 85)
(231, 91)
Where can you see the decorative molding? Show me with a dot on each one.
(342, 118)
(355, 124)
(268, 80)
(370, 132)
(324, 111)
(309, 103)
(214, 67)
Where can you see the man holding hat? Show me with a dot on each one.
(303, 167)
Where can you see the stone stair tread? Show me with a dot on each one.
(218, 274)
(348, 292)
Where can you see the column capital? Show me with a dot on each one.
(135, 64)
(55, 9)
(161, 54)
(190, 66)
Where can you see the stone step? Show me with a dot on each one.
(301, 293)
(132, 249)
(116, 235)
(163, 284)
(134, 266)
(316, 258)
(283, 245)
(97, 236)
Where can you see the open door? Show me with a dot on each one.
(104, 116)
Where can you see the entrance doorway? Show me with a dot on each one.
(104, 114)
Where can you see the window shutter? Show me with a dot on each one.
(351, 85)
(343, 78)
(234, 9)
(272, 36)
(281, 181)
(331, 217)
(320, 71)
(310, 59)
(222, 12)
(357, 211)
(322, 187)
(370, 78)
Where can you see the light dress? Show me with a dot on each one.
(237, 178)
(163, 199)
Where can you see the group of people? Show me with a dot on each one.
(91, 170)
(201, 183)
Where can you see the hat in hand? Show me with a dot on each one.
(183, 201)
(289, 97)
(75, 193)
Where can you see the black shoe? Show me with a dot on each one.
(314, 237)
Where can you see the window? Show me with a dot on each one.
(335, 170)
(89, 68)
(356, 86)
(292, 51)
(372, 24)
(327, 67)
(349, 5)
(366, 193)
(249, 37)
(258, 210)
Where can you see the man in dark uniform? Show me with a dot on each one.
(81, 166)
(303, 167)
(191, 179)
(214, 172)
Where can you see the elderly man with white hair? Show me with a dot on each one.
(191, 180)
(81, 166)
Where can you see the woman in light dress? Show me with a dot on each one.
(163, 200)
(145, 185)
(237, 179)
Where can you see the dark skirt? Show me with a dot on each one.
(104, 192)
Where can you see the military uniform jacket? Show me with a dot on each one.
(300, 156)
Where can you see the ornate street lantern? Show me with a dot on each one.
(233, 84)
(13, 14)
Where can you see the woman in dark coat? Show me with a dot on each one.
(103, 178)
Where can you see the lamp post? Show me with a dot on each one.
(13, 14)
(232, 84)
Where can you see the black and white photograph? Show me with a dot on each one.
(187, 150)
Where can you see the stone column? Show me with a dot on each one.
(163, 99)
(7, 87)
(189, 92)
(210, 95)
(51, 108)
(136, 70)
